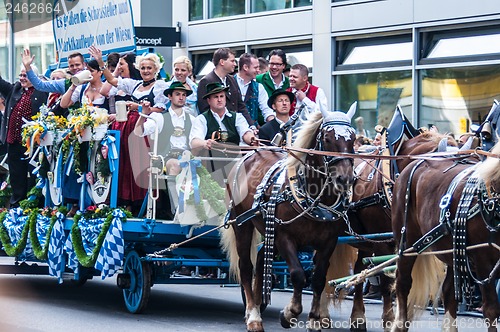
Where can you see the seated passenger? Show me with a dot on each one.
(280, 102)
(173, 132)
(173, 126)
(219, 124)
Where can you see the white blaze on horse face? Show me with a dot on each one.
(344, 131)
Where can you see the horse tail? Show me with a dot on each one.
(342, 263)
(428, 275)
(228, 245)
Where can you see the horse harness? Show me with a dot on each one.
(487, 203)
(380, 197)
(294, 192)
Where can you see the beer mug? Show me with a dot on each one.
(223, 135)
(121, 111)
(82, 77)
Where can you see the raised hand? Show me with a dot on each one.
(27, 59)
(96, 53)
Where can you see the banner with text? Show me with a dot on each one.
(108, 24)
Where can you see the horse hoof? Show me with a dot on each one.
(284, 322)
(255, 327)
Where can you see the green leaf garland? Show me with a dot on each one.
(6, 242)
(210, 191)
(41, 253)
(76, 237)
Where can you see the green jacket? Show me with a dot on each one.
(266, 80)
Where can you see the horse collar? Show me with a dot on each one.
(313, 209)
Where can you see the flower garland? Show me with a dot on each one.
(81, 119)
(41, 123)
(76, 237)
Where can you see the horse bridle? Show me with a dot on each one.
(330, 160)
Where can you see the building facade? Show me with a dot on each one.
(438, 60)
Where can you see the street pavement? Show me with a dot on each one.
(38, 303)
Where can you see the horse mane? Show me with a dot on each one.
(489, 169)
(427, 137)
(305, 137)
(437, 137)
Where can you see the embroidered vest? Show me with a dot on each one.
(168, 129)
(229, 122)
(311, 93)
(252, 102)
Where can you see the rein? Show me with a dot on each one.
(226, 148)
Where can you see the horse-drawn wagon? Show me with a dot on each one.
(290, 195)
(102, 239)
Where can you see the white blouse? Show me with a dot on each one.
(128, 85)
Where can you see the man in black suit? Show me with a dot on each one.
(225, 63)
(280, 101)
(21, 101)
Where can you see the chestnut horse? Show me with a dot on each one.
(303, 199)
(460, 204)
(370, 213)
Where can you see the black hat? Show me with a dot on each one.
(177, 86)
(277, 93)
(213, 88)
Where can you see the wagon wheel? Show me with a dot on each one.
(138, 275)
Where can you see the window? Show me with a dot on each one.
(195, 10)
(202, 62)
(453, 94)
(4, 56)
(302, 3)
(463, 46)
(266, 5)
(460, 45)
(378, 50)
(3, 12)
(377, 95)
(223, 8)
(379, 53)
(4, 44)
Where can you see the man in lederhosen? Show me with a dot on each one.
(173, 132)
